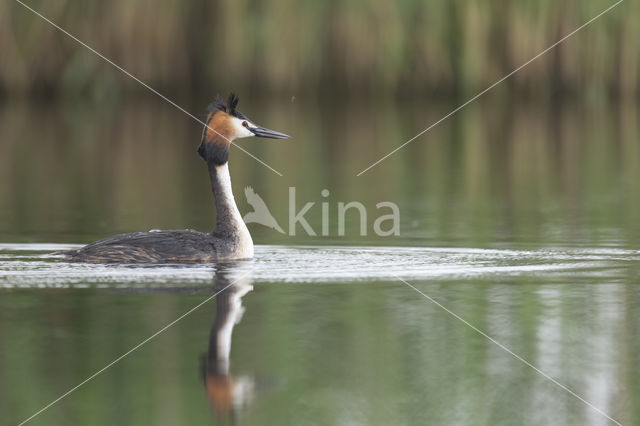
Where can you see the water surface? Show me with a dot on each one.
(521, 220)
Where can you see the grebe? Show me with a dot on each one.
(229, 240)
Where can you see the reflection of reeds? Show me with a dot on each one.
(290, 47)
(491, 174)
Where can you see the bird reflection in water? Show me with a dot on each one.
(227, 394)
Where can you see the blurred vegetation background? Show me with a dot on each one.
(358, 48)
(350, 80)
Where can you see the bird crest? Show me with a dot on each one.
(230, 106)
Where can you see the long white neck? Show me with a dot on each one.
(230, 228)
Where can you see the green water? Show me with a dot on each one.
(522, 220)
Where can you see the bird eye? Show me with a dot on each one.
(245, 124)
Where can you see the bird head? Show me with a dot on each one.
(224, 124)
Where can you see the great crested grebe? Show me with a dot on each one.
(229, 240)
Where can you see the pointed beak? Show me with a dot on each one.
(263, 132)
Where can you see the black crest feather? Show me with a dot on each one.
(218, 104)
(230, 107)
(232, 103)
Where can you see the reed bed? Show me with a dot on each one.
(357, 48)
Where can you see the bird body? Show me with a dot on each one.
(175, 246)
(229, 240)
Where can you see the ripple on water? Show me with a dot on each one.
(33, 265)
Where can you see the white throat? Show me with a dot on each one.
(230, 228)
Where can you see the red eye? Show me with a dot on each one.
(245, 124)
